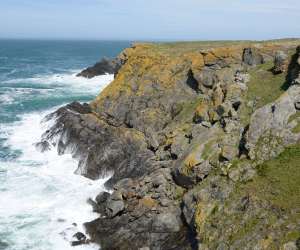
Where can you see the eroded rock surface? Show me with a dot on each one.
(171, 128)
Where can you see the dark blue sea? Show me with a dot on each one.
(42, 202)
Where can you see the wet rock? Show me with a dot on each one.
(102, 197)
(43, 146)
(94, 205)
(105, 66)
(114, 207)
(80, 239)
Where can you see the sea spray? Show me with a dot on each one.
(44, 198)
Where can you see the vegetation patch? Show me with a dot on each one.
(264, 87)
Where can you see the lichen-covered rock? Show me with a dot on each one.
(146, 213)
(271, 127)
(171, 130)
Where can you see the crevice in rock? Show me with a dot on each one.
(191, 231)
(192, 82)
(236, 105)
(242, 145)
(292, 71)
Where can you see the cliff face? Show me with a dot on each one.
(191, 133)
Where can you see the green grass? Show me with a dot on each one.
(276, 193)
(279, 179)
(264, 87)
(176, 48)
(296, 117)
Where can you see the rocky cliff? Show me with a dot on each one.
(201, 140)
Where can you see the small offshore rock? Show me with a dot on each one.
(80, 239)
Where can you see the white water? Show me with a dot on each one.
(41, 197)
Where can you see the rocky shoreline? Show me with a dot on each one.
(179, 134)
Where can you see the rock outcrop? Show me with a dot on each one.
(180, 134)
(105, 66)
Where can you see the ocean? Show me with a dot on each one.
(42, 201)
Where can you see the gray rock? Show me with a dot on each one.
(114, 207)
(270, 128)
(252, 57)
(207, 77)
(166, 222)
(105, 66)
(102, 197)
(280, 62)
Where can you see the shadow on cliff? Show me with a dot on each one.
(293, 70)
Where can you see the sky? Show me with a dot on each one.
(150, 19)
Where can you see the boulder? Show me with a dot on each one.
(252, 57)
(270, 127)
(280, 62)
(114, 207)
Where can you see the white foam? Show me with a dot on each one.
(44, 196)
(79, 84)
(12, 95)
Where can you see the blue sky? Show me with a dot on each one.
(150, 19)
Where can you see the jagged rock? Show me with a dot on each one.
(201, 113)
(105, 66)
(143, 220)
(43, 146)
(207, 77)
(167, 222)
(252, 57)
(171, 175)
(280, 62)
(270, 128)
(114, 207)
(229, 152)
(80, 239)
(102, 197)
(100, 147)
(241, 77)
